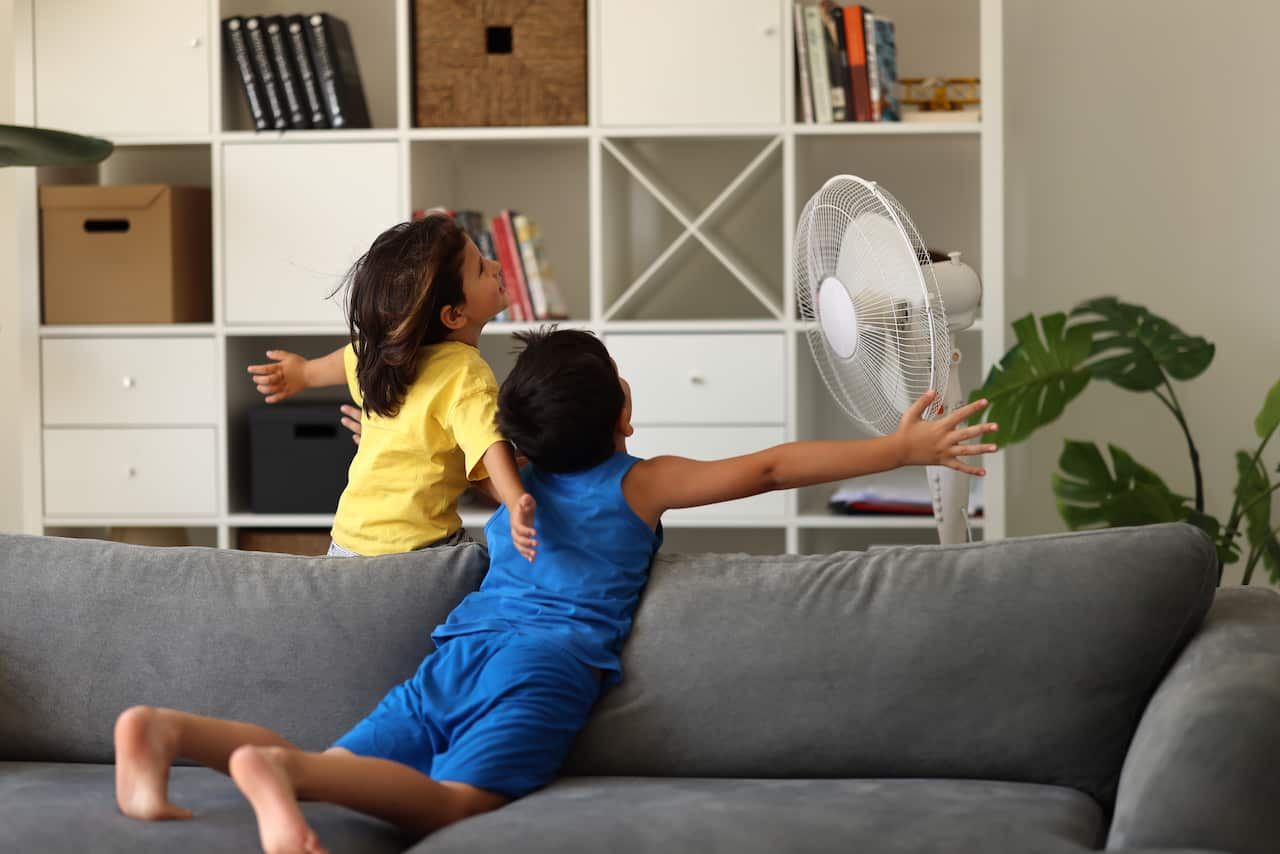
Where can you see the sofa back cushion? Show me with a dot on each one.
(1022, 660)
(306, 646)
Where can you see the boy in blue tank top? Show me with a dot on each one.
(490, 716)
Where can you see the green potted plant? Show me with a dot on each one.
(1054, 360)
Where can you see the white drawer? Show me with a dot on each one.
(703, 379)
(714, 443)
(130, 472)
(129, 381)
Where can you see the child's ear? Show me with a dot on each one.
(624, 423)
(453, 317)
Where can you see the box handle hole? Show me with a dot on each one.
(97, 225)
(497, 39)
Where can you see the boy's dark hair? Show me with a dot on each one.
(396, 291)
(561, 401)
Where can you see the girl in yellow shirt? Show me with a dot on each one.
(417, 302)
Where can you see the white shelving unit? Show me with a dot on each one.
(669, 218)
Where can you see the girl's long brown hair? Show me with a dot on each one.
(396, 292)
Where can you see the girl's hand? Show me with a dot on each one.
(940, 442)
(351, 420)
(284, 378)
(522, 533)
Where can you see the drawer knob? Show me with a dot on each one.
(194, 42)
(697, 379)
(128, 382)
(130, 472)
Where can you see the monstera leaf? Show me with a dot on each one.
(1135, 345)
(24, 146)
(1228, 550)
(1253, 490)
(1269, 416)
(1037, 378)
(1090, 495)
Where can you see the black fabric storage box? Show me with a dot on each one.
(298, 458)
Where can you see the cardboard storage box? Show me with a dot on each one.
(132, 254)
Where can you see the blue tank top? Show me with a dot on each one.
(582, 589)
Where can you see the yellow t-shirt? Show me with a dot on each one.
(403, 485)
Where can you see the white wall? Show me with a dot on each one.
(10, 451)
(1141, 162)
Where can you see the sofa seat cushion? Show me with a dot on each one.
(54, 808)
(633, 814)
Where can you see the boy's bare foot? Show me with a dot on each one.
(261, 775)
(145, 748)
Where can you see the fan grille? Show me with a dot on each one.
(857, 234)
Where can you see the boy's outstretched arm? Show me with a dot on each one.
(659, 484)
(290, 373)
(500, 462)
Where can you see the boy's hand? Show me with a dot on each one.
(351, 420)
(940, 442)
(284, 378)
(522, 532)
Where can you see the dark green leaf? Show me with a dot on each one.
(1252, 491)
(1036, 379)
(1089, 495)
(1269, 417)
(1136, 347)
(25, 146)
(1228, 551)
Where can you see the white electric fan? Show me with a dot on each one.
(882, 316)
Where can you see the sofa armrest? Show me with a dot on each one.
(1203, 766)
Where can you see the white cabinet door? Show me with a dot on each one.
(703, 379)
(691, 62)
(132, 471)
(713, 443)
(108, 381)
(135, 68)
(295, 218)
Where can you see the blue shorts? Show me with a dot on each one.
(494, 710)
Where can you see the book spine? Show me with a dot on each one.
(504, 240)
(282, 59)
(326, 73)
(529, 258)
(818, 64)
(556, 308)
(887, 60)
(842, 45)
(873, 70)
(297, 34)
(836, 73)
(348, 71)
(237, 51)
(858, 63)
(276, 116)
(802, 63)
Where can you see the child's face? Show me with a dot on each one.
(482, 285)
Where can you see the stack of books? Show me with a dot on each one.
(515, 241)
(846, 63)
(298, 72)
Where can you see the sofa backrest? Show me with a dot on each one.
(1024, 660)
(306, 646)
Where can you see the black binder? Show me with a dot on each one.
(237, 52)
(257, 38)
(286, 72)
(334, 58)
(296, 26)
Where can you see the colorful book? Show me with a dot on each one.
(805, 86)
(548, 302)
(237, 50)
(529, 261)
(854, 33)
(818, 64)
(837, 62)
(873, 69)
(504, 239)
(886, 49)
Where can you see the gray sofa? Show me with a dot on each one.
(1049, 694)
